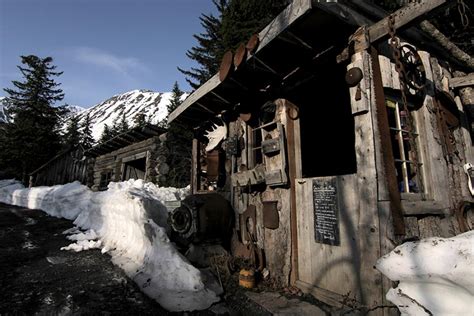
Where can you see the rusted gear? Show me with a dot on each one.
(415, 75)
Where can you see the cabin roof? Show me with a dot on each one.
(288, 47)
(132, 136)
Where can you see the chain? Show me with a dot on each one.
(395, 44)
(462, 13)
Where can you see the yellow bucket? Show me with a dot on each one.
(247, 278)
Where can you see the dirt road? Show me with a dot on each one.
(36, 277)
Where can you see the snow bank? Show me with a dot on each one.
(129, 221)
(436, 276)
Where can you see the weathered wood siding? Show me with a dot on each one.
(70, 166)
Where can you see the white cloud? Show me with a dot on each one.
(97, 57)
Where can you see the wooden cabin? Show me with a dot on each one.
(67, 166)
(328, 156)
(137, 154)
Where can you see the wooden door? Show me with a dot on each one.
(328, 254)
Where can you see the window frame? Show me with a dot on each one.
(400, 133)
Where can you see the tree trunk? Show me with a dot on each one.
(442, 40)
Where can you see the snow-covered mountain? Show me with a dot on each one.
(73, 110)
(152, 104)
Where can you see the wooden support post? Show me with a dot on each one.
(195, 167)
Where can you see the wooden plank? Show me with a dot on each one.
(411, 224)
(195, 167)
(403, 16)
(386, 71)
(195, 96)
(387, 244)
(386, 146)
(425, 208)
(465, 81)
(328, 297)
(304, 219)
(291, 13)
(429, 227)
(368, 229)
(435, 170)
(358, 94)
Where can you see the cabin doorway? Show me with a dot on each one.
(328, 163)
(134, 169)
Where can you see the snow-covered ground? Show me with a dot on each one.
(129, 222)
(436, 276)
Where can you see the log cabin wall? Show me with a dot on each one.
(142, 158)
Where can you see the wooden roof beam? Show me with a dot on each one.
(403, 16)
(464, 81)
(291, 13)
(367, 35)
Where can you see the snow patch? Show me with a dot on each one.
(129, 221)
(436, 276)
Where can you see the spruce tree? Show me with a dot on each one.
(178, 143)
(33, 137)
(72, 136)
(123, 124)
(237, 20)
(209, 50)
(242, 18)
(106, 134)
(87, 141)
(175, 99)
(140, 120)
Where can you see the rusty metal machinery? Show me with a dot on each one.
(202, 217)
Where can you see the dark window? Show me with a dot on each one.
(134, 169)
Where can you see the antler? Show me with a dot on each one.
(215, 136)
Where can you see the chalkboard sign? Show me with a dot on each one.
(326, 217)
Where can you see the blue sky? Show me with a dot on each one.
(104, 47)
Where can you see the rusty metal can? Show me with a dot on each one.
(247, 278)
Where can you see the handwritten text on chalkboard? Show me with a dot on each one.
(326, 220)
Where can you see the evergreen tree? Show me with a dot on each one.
(140, 120)
(87, 141)
(123, 124)
(209, 50)
(178, 143)
(237, 20)
(72, 136)
(175, 99)
(106, 134)
(242, 18)
(33, 137)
